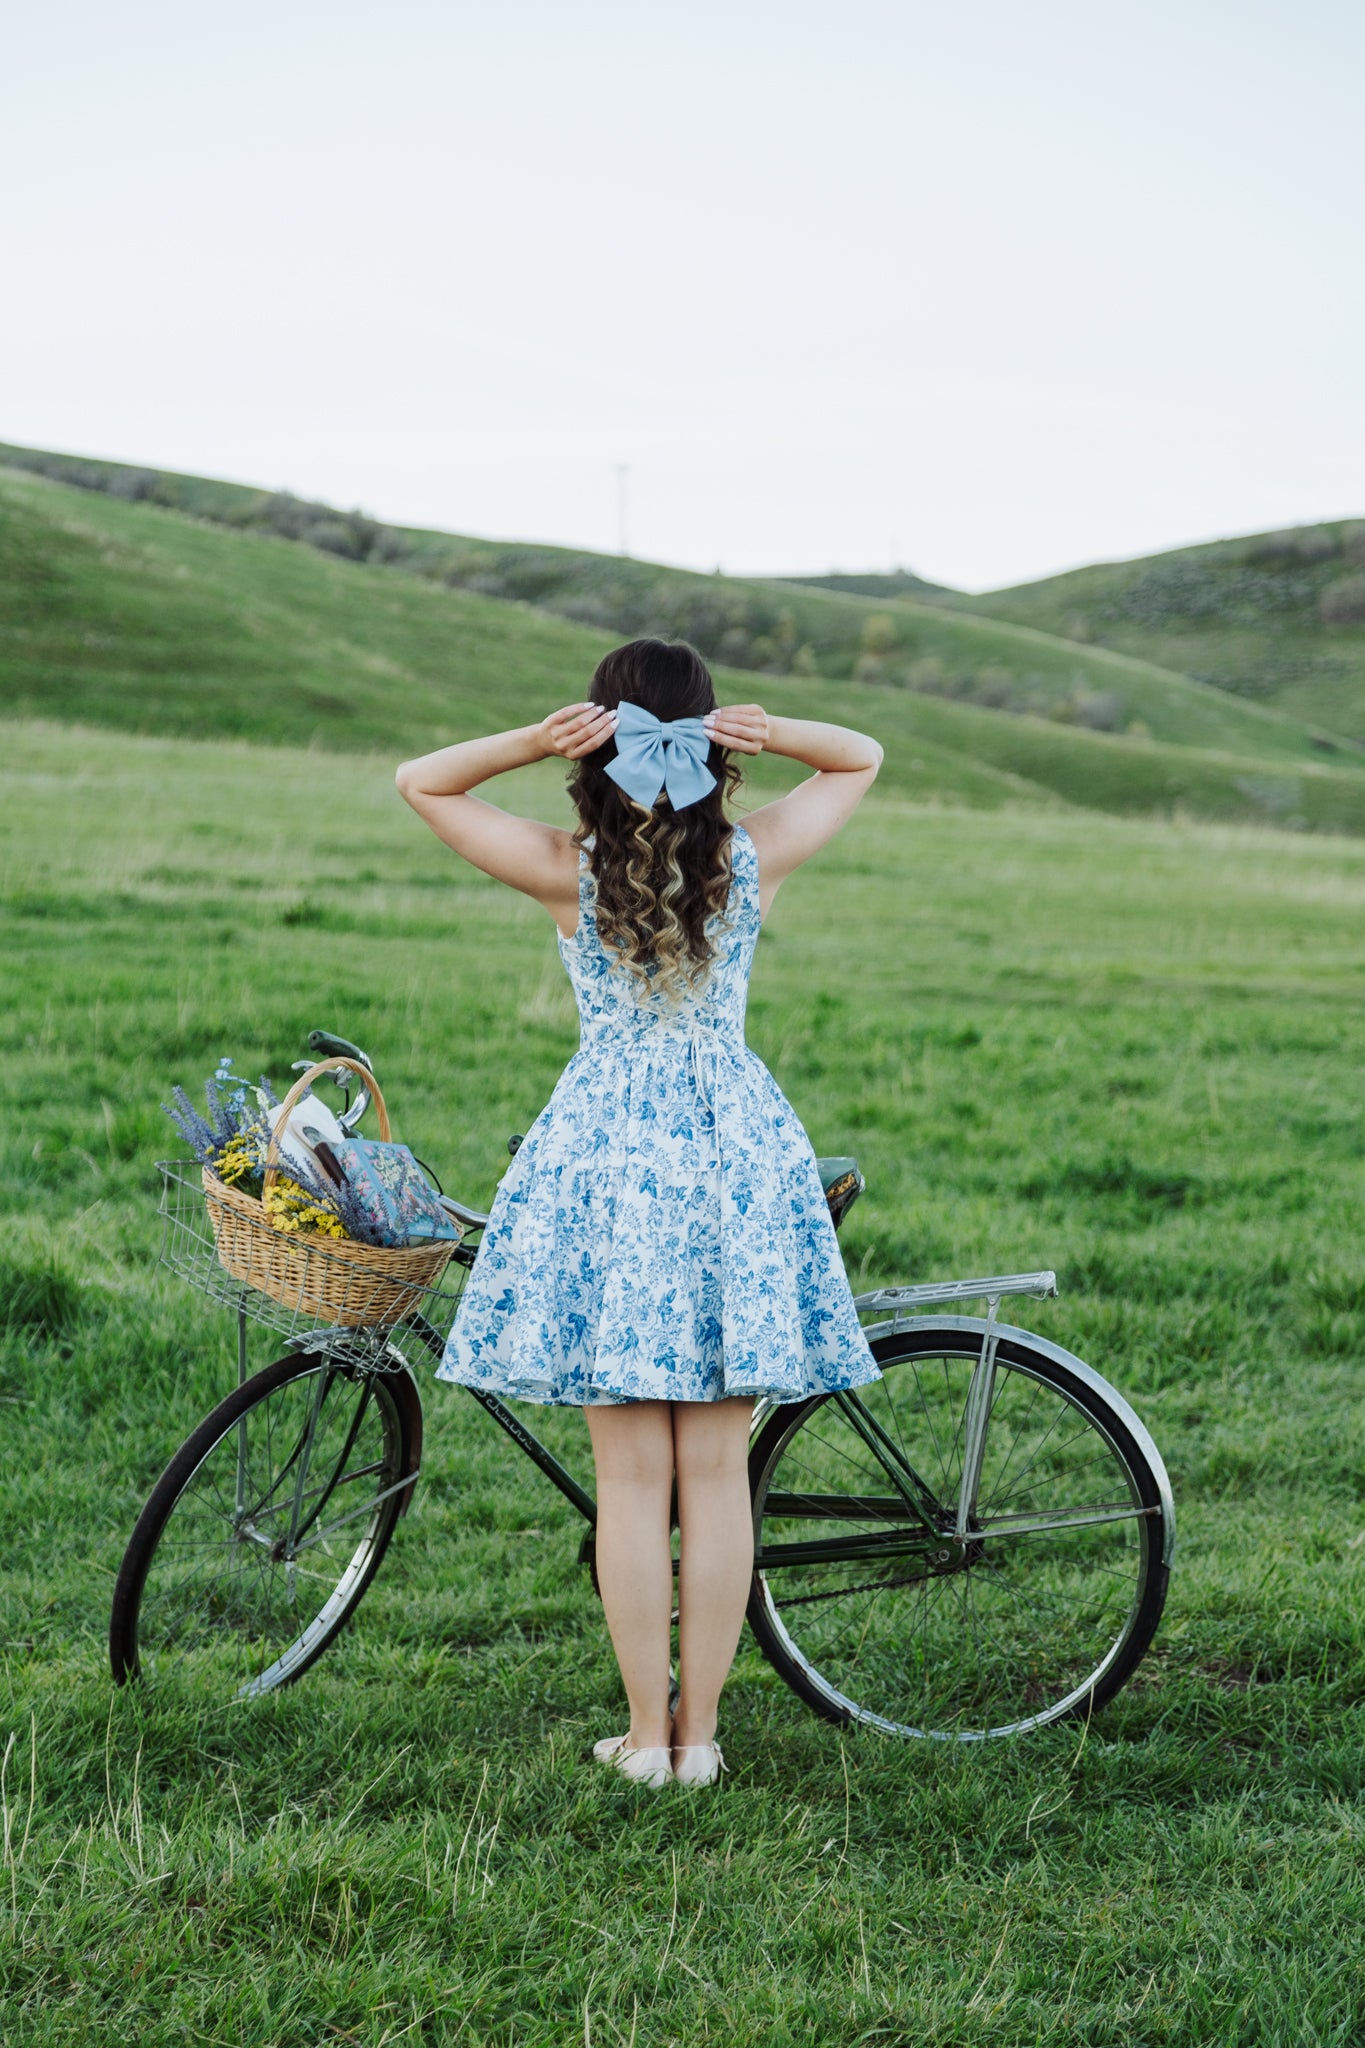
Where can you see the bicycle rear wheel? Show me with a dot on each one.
(264, 1531)
(874, 1608)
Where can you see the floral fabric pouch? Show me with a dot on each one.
(399, 1202)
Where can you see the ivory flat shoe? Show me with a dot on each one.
(652, 1767)
(699, 1764)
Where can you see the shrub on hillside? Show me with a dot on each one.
(352, 535)
(880, 636)
(1212, 590)
(134, 484)
(995, 686)
(390, 546)
(1298, 544)
(1102, 712)
(349, 538)
(588, 609)
(1343, 603)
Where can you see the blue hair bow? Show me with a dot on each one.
(654, 754)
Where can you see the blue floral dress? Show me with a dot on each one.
(662, 1233)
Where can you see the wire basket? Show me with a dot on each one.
(336, 1292)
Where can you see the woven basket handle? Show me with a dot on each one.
(296, 1095)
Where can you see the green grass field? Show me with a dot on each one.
(1126, 1048)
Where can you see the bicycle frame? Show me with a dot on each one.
(525, 1440)
(918, 1500)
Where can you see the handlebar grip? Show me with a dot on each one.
(327, 1045)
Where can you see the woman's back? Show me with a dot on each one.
(615, 1005)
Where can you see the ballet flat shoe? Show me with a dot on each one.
(652, 1767)
(699, 1764)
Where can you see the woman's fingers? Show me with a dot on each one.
(579, 729)
(744, 727)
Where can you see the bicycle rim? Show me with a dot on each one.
(267, 1526)
(874, 1609)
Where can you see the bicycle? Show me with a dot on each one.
(976, 1545)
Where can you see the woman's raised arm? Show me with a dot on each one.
(795, 826)
(540, 860)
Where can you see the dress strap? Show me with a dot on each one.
(744, 870)
(587, 892)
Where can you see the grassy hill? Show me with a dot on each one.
(771, 628)
(1272, 618)
(873, 583)
(122, 613)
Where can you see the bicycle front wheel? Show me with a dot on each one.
(264, 1531)
(875, 1603)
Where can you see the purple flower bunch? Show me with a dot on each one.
(237, 1118)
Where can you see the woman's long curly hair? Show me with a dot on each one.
(660, 873)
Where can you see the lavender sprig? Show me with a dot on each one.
(191, 1126)
(207, 1136)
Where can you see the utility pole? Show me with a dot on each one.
(622, 492)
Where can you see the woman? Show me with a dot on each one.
(659, 1251)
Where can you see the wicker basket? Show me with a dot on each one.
(337, 1279)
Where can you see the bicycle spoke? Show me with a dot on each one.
(224, 1587)
(1020, 1427)
(986, 1632)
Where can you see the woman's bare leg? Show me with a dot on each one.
(710, 1450)
(632, 1447)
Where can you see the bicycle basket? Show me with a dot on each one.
(337, 1280)
(334, 1282)
(367, 1307)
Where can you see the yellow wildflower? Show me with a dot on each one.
(236, 1159)
(292, 1209)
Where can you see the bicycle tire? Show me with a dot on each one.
(398, 1411)
(794, 1609)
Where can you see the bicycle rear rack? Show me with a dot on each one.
(980, 1394)
(934, 1293)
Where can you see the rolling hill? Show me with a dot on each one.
(769, 627)
(119, 611)
(1271, 618)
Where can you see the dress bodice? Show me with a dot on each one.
(612, 1009)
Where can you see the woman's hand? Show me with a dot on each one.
(742, 727)
(578, 729)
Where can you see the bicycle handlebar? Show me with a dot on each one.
(326, 1044)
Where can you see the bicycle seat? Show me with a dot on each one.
(842, 1182)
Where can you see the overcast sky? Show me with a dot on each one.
(984, 289)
